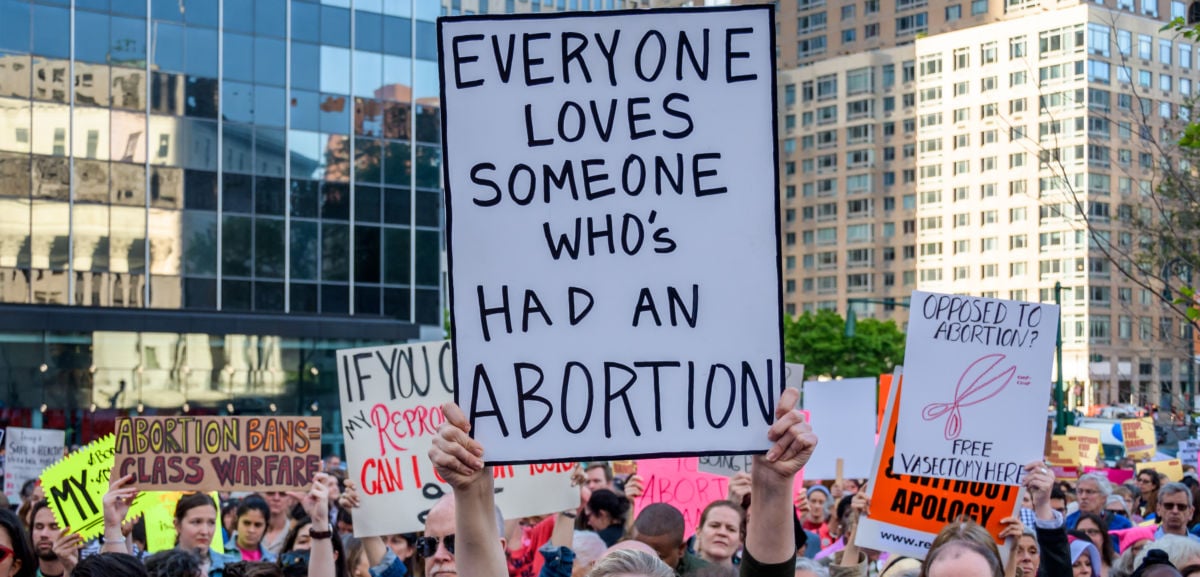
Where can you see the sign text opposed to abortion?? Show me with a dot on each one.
(979, 375)
(613, 233)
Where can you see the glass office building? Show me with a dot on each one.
(201, 200)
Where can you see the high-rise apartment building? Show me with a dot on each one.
(1035, 151)
(966, 161)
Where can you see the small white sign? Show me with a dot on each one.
(28, 453)
(843, 418)
(977, 382)
(613, 231)
(391, 401)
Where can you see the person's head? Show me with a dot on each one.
(818, 502)
(195, 521)
(900, 566)
(1027, 554)
(332, 463)
(962, 549)
(630, 563)
(589, 547)
(719, 535)
(44, 531)
(356, 558)
(1182, 551)
(606, 508)
(279, 502)
(598, 476)
(661, 527)
(1126, 495)
(402, 544)
(345, 522)
(27, 490)
(436, 548)
(1092, 490)
(1156, 563)
(109, 565)
(1085, 559)
(175, 563)
(1058, 501)
(1148, 482)
(851, 486)
(1174, 508)
(1095, 528)
(810, 568)
(961, 559)
(253, 515)
(1133, 540)
(1114, 504)
(839, 524)
(253, 569)
(16, 558)
(299, 542)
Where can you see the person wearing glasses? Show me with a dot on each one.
(1174, 511)
(469, 544)
(1092, 491)
(16, 559)
(1148, 484)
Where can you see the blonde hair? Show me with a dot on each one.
(627, 561)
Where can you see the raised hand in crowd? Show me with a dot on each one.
(851, 556)
(117, 502)
(1054, 550)
(321, 562)
(739, 488)
(66, 547)
(770, 531)
(478, 548)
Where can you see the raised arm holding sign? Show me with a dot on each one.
(633, 307)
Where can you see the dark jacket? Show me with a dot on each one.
(1055, 552)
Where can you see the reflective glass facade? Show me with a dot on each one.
(226, 158)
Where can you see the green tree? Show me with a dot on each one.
(819, 342)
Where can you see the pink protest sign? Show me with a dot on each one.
(1117, 476)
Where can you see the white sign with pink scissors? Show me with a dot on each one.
(977, 385)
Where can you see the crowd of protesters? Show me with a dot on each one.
(1091, 527)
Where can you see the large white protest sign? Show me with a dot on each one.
(977, 380)
(391, 409)
(844, 420)
(28, 453)
(613, 233)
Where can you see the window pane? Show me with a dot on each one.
(304, 254)
(91, 37)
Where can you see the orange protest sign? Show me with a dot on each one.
(907, 512)
(885, 387)
(1172, 468)
(1063, 457)
(1139, 438)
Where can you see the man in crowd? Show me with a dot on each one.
(1174, 511)
(48, 540)
(661, 526)
(1092, 492)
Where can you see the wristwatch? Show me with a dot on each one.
(326, 534)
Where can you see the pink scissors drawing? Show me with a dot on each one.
(977, 391)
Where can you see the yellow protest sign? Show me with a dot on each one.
(1064, 457)
(1090, 449)
(160, 521)
(1172, 468)
(75, 488)
(1139, 438)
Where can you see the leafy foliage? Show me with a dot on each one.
(819, 342)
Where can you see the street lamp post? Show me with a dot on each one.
(1060, 409)
(852, 317)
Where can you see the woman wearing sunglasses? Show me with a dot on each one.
(16, 559)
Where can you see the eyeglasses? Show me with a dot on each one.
(427, 546)
(1092, 532)
(1175, 506)
(5, 553)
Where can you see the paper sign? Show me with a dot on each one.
(1139, 438)
(265, 453)
(725, 465)
(793, 376)
(1063, 457)
(75, 487)
(160, 521)
(844, 421)
(29, 452)
(391, 410)
(907, 512)
(598, 309)
(1172, 468)
(1088, 441)
(625, 467)
(679, 482)
(976, 360)
(1116, 476)
(1188, 450)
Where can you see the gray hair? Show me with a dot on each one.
(1118, 500)
(805, 564)
(1100, 480)
(1178, 549)
(588, 546)
(627, 561)
(1172, 488)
